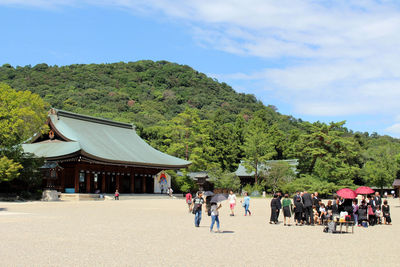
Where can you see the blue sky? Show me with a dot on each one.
(315, 60)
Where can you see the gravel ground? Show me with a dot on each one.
(145, 232)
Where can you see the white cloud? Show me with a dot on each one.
(394, 129)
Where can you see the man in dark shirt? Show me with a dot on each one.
(378, 200)
(308, 202)
(316, 201)
(197, 204)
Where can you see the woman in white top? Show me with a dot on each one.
(232, 202)
(214, 215)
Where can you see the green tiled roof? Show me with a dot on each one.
(101, 140)
(51, 149)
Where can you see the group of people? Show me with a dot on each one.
(212, 208)
(308, 209)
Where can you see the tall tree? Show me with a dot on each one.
(258, 146)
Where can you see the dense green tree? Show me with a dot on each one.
(21, 115)
(382, 165)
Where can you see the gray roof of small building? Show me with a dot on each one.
(396, 182)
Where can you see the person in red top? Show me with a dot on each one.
(116, 196)
(189, 200)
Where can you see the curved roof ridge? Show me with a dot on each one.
(67, 114)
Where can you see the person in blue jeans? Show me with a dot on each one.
(197, 204)
(214, 216)
(246, 204)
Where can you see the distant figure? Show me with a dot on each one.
(116, 195)
(189, 200)
(274, 210)
(386, 213)
(279, 194)
(322, 213)
(298, 212)
(355, 211)
(378, 200)
(378, 215)
(197, 204)
(316, 201)
(386, 194)
(286, 204)
(246, 204)
(232, 202)
(308, 203)
(362, 212)
(170, 191)
(214, 216)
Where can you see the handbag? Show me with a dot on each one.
(370, 211)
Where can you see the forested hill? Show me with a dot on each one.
(187, 114)
(142, 92)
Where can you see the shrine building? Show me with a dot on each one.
(93, 155)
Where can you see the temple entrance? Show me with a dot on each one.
(82, 182)
(149, 185)
(97, 181)
(111, 183)
(138, 184)
(124, 184)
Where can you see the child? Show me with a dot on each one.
(298, 212)
(116, 195)
(378, 215)
(386, 213)
(316, 215)
(322, 213)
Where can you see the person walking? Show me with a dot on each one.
(274, 210)
(246, 204)
(286, 204)
(214, 216)
(308, 203)
(232, 202)
(189, 200)
(279, 205)
(197, 205)
(170, 191)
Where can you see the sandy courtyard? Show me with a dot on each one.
(155, 232)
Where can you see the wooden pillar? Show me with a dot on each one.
(103, 183)
(88, 181)
(132, 184)
(143, 184)
(76, 179)
(117, 181)
(62, 178)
